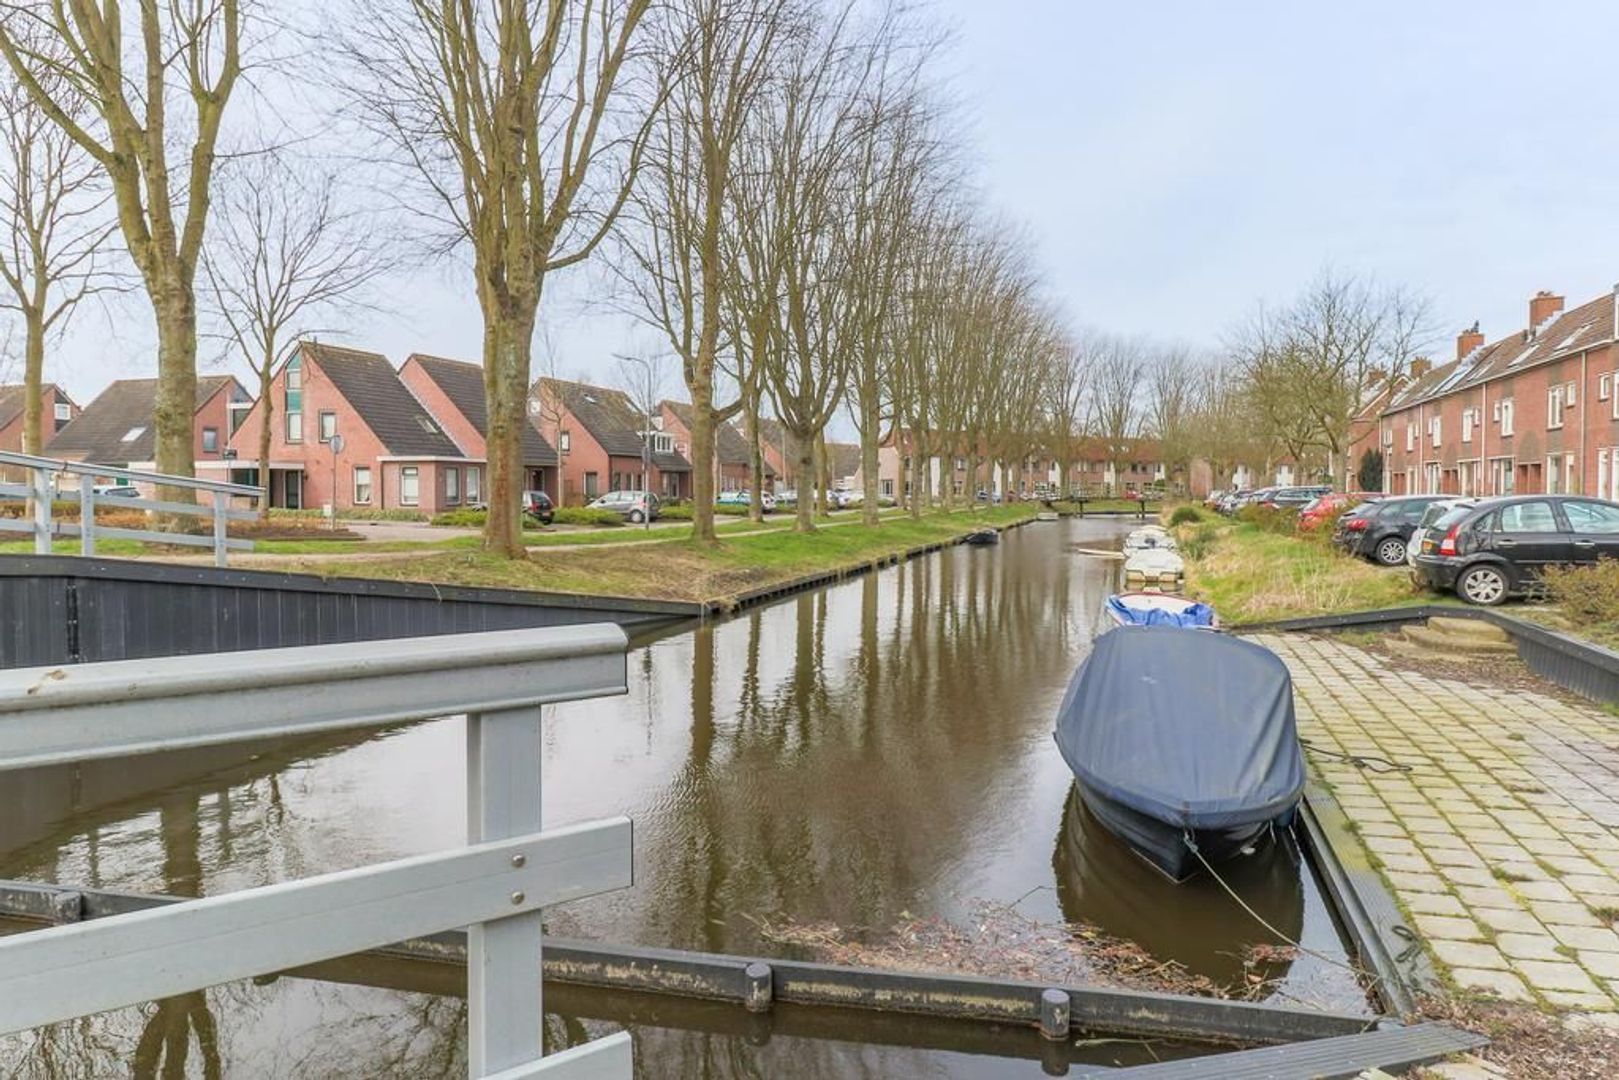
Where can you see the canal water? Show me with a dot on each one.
(839, 763)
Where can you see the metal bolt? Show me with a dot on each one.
(517, 898)
(519, 860)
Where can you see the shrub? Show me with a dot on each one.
(675, 513)
(1270, 519)
(731, 509)
(359, 513)
(1585, 592)
(1185, 515)
(461, 519)
(584, 515)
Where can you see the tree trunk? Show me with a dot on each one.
(702, 463)
(823, 473)
(805, 522)
(33, 409)
(266, 416)
(507, 342)
(756, 459)
(176, 405)
(913, 501)
(869, 422)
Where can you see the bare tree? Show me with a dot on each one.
(717, 61)
(1068, 406)
(1171, 385)
(54, 209)
(1120, 369)
(71, 59)
(284, 254)
(504, 110)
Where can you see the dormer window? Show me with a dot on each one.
(426, 424)
(134, 433)
(661, 442)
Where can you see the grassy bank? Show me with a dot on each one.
(1251, 574)
(672, 569)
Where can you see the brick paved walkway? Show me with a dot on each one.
(1503, 842)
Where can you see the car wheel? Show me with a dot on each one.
(1484, 585)
(635, 517)
(1390, 551)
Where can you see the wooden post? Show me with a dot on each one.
(1054, 1014)
(87, 515)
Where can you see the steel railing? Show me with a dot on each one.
(496, 886)
(44, 487)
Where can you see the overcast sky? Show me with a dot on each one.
(1178, 161)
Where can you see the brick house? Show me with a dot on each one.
(57, 410)
(395, 454)
(452, 391)
(118, 428)
(733, 460)
(1535, 411)
(605, 443)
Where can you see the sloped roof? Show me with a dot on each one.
(844, 458)
(117, 427)
(11, 403)
(611, 419)
(369, 383)
(462, 383)
(1563, 334)
(730, 445)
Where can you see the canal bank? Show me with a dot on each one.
(857, 758)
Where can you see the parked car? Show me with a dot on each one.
(1381, 530)
(1293, 498)
(1231, 500)
(1499, 547)
(635, 506)
(767, 501)
(115, 491)
(537, 504)
(1430, 518)
(1331, 506)
(1246, 498)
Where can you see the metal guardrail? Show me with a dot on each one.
(496, 886)
(44, 490)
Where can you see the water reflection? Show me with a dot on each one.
(858, 755)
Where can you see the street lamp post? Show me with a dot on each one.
(336, 442)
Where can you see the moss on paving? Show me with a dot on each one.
(676, 568)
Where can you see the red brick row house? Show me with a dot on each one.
(117, 428)
(1534, 412)
(733, 460)
(605, 443)
(57, 410)
(453, 393)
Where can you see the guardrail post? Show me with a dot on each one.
(87, 514)
(220, 500)
(504, 1021)
(42, 511)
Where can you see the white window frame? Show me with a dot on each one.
(452, 486)
(1569, 396)
(474, 483)
(1435, 428)
(413, 474)
(1506, 416)
(1467, 425)
(1410, 436)
(362, 470)
(62, 411)
(1554, 407)
(1605, 386)
(564, 442)
(1388, 437)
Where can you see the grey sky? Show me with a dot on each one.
(1175, 162)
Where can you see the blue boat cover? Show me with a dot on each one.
(1193, 615)
(1196, 730)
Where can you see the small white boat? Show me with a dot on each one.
(1046, 515)
(1154, 568)
(1147, 538)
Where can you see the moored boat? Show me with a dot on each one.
(1148, 537)
(1154, 568)
(981, 537)
(1184, 746)
(1158, 609)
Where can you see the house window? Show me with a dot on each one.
(887, 488)
(1505, 416)
(292, 403)
(1568, 395)
(362, 485)
(1605, 387)
(592, 485)
(474, 484)
(295, 427)
(64, 413)
(1433, 430)
(328, 425)
(961, 464)
(661, 443)
(564, 442)
(409, 492)
(210, 440)
(452, 485)
(1410, 437)
(1554, 406)
(1467, 425)
(134, 433)
(1388, 438)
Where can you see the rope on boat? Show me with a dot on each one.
(1370, 762)
(1359, 972)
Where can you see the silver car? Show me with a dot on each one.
(1435, 511)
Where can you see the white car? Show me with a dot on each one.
(1434, 511)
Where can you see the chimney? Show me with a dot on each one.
(1420, 366)
(1468, 340)
(1542, 306)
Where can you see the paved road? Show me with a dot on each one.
(1503, 840)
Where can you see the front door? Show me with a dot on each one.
(1531, 536)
